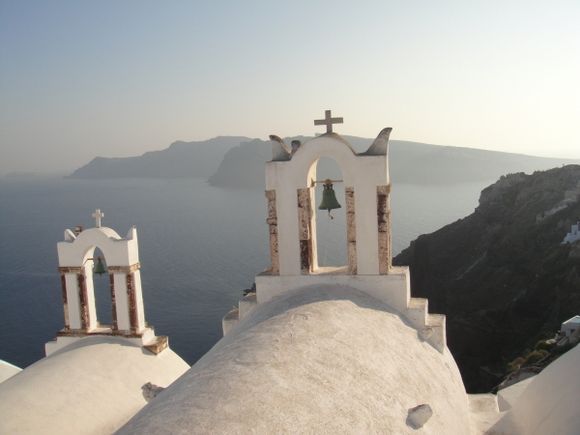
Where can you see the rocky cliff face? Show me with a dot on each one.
(501, 275)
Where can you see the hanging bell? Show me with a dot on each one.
(329, 201)
(99, 268)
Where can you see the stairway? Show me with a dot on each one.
(245, 306)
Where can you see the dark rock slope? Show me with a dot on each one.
(501, 275)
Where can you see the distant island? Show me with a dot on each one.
(409, 162)
(181, 159)
(237, 162)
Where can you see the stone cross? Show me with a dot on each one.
(98, 215)
(328, 121)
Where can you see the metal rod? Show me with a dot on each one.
(313, 182)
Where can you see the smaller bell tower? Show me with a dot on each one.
(76, 267)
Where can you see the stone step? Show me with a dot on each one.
(417, 311)
(484, 412)
(247, 304)
(486, 402)
(435, 325)
(230, 320)
(157, 344)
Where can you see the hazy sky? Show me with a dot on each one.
(117, 78)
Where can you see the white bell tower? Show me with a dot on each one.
(76, 263)
(290, 181)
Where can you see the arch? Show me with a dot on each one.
(332, 147)
(102, 288)
(74, 251)
(330, 235)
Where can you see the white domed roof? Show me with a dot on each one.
(93, 385)
(7, 370)
(550, 403)
(323, 359)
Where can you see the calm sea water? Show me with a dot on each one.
(200, 246)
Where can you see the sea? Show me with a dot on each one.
(200, 247)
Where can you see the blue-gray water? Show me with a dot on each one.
(200, 246)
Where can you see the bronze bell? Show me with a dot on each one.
(329, 201)
(99, 268)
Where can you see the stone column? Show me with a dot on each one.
(132, 299)
(272, 221)
(71, 297)
(384, 228)
(84, 301)
(305, 230)
(64, 301)
(350, 230)
(115, 325)
(127, 304)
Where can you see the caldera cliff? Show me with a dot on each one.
(501, 275)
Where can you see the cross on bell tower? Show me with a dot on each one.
(328, 121)
(98, 215)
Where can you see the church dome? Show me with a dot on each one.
(549, 403)
(321, 359)
(93, 385)
(7, 370)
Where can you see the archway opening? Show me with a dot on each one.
(330, 239)
(102, 289)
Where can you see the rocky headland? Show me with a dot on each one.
(502, 275)
(197, 159)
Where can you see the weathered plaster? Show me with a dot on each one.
(384, 228)
(350, 229)
(272, 221)
(305, 230)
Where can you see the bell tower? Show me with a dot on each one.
(76, 267)
(290, 180)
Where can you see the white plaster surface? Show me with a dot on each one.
(570, 326)
(92, 386)
(74, 304)
(7, 370)
(328, 359)
(507, 397)
(393, 289)
(550, 404)
(121, 301)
